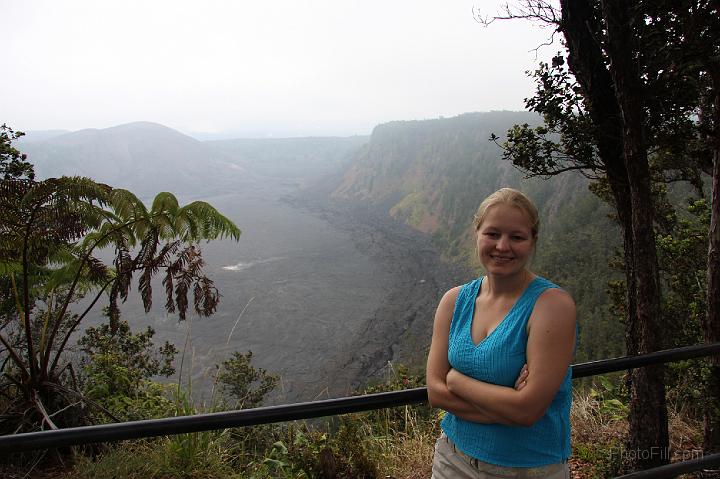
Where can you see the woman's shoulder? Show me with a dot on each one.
(557, 304)
(556, 296)
(451, 296)
(453, 293)
(550, 291)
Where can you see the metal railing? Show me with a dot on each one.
(329, 407)
(674, 470)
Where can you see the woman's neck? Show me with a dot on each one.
(507, 286)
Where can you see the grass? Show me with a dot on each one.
(158, 459)
(599, 435)
(410, 457)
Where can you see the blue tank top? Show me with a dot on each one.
(497, 359)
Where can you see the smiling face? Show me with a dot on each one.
(505, 240)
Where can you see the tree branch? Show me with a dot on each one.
(15, 356)
(71, 291)
(41, 409)
(25, 314)
(72, 329)
(534, 10)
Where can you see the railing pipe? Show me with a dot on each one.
(272, 414)
(602, 366)
(205, 422)
(675, 469)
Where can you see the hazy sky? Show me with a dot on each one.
(258, 68)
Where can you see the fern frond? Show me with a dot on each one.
(8, 266)
(199, 220)
(94, 273)
(126, 205)
(165, 202)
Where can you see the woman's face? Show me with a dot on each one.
(504, 240)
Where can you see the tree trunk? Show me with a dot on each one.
(649, 442)
(113, 309)
(711, 327)
(580, 25)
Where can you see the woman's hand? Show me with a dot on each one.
(521, 380)
(454, 376)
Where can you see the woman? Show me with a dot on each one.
(499, 362)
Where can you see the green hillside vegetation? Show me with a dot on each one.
(433, 174)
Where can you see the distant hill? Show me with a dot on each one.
(40, 135)
(290, 157)
(148, 157)
(144, 157)
(433, 174)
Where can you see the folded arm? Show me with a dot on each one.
(551, 341)
(438, 367)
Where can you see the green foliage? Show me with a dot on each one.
(14, 168)
(122, 385)
(599, 422)
(599, 460)
(404, 418)
(241, 385)
(117, 371)
(199, 451)
(361, 445)
(573, 251)
(682, 252)
(137, 349)
(566, 139)
(144, 400)
(276, 464)
(244, 385)
(13, 164)
(612, 397)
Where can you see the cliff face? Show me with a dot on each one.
(433, 174)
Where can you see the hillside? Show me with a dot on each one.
(433, 174)
(145, 157)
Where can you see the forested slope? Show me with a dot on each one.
(433, 174)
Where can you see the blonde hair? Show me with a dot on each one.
(509, 196)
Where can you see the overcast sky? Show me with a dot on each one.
(258, 68)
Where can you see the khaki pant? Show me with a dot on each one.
(452, 463)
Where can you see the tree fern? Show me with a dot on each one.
(49, 234)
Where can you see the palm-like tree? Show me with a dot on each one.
(49, 233)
